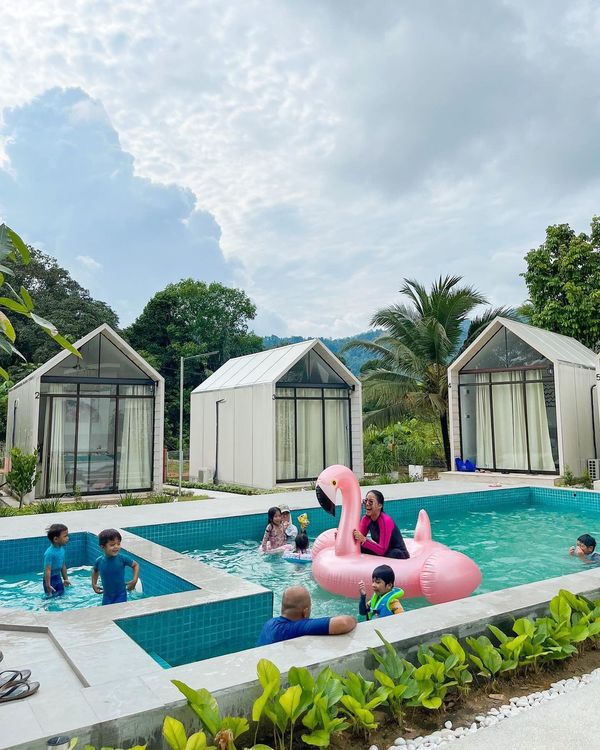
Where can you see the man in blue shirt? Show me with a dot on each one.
(295, 620)
(110, 567)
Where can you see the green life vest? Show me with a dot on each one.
(379, 606)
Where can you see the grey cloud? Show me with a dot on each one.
(72, 185)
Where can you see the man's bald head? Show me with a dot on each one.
(296, 604)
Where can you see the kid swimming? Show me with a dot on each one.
(274, 538)
(301, 553)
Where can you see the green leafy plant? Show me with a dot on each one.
(75, 741)
(456, 666)
(85, 505)
(359, 699)
(23, 473)
(129, 499)
(487, 658)
(177, 739)
(46, 506)
(12, 251)
(322, 717)
(6, 511)
(396, 675)
(432, 682)
(224, 730)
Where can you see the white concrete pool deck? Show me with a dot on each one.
(94, 678)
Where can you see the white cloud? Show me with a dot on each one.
(338, 146)
(89, 263)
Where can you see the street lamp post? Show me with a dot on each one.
(181, 361)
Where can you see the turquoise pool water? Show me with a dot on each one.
(25, 591)
(512, 546)
(21, 563)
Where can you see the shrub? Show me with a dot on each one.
(129, 499)
(23, 474)
(46, 506)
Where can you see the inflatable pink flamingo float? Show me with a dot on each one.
(433, 570)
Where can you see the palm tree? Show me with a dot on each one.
(409, 370)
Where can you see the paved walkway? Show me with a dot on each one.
(569, 721)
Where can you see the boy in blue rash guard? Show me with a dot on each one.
(55, 568)
(110, 567)
(386, 598)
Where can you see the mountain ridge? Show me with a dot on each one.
(353, 359)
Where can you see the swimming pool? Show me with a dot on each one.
(516, 536)
(21, 575)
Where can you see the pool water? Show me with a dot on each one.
(26, 591)
(512, 546)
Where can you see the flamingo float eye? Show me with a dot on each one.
(334, 482)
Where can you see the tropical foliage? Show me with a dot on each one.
(13, 252)
(410, 441)
(408, 372)
(314, 708)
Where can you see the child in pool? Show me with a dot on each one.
(584, 548)
(291, 531)
(386, 597)
(55, 568)
(110, 568)
(301, 552)
(274, 538)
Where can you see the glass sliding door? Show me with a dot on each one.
(337, 428)
(134, 441)
(309, 431)
(96, 445)
(312, 430)
(285, 435)
(508, 420)
(96, 437)
(510, 426)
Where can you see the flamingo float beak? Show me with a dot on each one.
(325, 501)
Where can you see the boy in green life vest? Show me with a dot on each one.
(386, 598)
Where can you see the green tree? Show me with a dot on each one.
(186, 319)
(563, 279)
(59, 297)
(408, 372)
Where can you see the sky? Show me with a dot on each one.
(313, 154)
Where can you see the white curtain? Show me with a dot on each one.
(284, 416)
(310, 434)
(483, 423)
(55, 429)
(510, 435)
(337, 436)
(540, 447)
(135, 442)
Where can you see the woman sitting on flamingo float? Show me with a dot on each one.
(339, 563)
(386, 539)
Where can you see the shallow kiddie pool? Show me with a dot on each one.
(21, 575)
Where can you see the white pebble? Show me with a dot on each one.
(448, 725)
(400, 742)
(373, 747)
